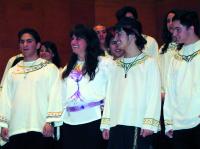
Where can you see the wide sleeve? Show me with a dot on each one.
(169, 96)
(161, 59)
(105, 120)
(151, 48)
(109, 65)
(8, 66)
(5, 101)
(54, 98)
(153, 97)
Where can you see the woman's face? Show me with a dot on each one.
(115, 51)
(46, 53)
(169, 22)
(79, 46)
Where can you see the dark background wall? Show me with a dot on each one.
(53, 19)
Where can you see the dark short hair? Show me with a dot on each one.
(121, 13)
(132, 26)
(189, 18)
(30, 31)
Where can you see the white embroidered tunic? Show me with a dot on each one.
(151, 47)
(164, 61)
(31, 96)
(82, 99)
(133, 97)
(8, 66)
(182, 104)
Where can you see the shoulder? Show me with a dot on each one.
(149, 38)
(13, 58)
(106, 60)
(147, 59)
(49, 66)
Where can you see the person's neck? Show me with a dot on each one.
(192, 40)
(29, 59)
(103, 47)
(132, 52)
(81, 58)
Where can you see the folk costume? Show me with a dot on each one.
(181, 108)
(133, 102)
(31, 96)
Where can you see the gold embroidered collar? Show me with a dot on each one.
(27, 69)
(187, 58)
(127, 66)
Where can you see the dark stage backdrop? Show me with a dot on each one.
(53, 19)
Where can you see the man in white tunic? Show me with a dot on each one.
(30, 98)
(11, 62)
(132, 105)
(181, 107)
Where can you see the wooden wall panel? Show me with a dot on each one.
(105, 13)
(151, 12)
(52, 19)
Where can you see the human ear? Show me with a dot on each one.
(191, 28)
(131, 37)
(38, 45)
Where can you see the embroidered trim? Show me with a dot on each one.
(127, 66)
(28, 69)
(77, 75)
(3, 119)
(173, 46)
(54, 114)
(168, 122)
(105, 121)
(151, 121)
(187, 58)
(85, 106)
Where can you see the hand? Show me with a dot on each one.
(162, 96)
(106, 134)
(145, 132)
(170, 133)
(48, 130)
(4, 134)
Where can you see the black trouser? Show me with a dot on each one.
(161, 141)
(30, 140)
(6, 146)
(128, 137)
(187, 138)
(84, 136)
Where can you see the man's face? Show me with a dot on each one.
(28, 45)
(180, 32)
(101, 33)
(122, 39)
